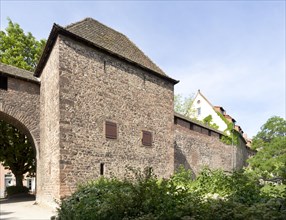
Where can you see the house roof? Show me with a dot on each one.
(99, 36)
(219, 108)
(18, 73)
(229, 117)
(199, 93)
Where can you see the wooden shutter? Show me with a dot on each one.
(3, 82)
(147, 138)
(111, 130)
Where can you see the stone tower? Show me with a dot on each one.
(104, 105)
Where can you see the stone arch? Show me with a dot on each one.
(28, 126)
(24, 123)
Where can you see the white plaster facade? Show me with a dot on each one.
(8, 179)
(201, 108)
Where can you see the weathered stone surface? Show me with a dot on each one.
(19, 106)
(195, 150)
(49, 190)
(95, 88)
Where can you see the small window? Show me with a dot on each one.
(3, 82)
(101, 169)
(111, 130)
(199, 101)
(199, 111)
(146, 138)
(104, 66)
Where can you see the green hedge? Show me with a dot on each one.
(213, 195)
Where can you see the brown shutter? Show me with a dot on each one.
(147, 138)
(111, 130)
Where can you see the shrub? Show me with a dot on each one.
(213, 195)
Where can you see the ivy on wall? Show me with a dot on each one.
(208, 121)
(231, 136)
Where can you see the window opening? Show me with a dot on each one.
(199, 111)
(3, 82)
(101, 169)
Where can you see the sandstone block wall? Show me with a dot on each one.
(195, 150)
(94, 88)
(49, 187)
(19, 106)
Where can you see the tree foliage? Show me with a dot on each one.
(19, 49)
(16, 152)
(183, 105)
(270, 143)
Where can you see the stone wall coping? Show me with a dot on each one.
(180, 116)
(18, 73)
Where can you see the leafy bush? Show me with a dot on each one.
(12, 190)
(213, 195)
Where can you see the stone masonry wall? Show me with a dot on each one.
(19, 106)
(49, 189)
(195, 150)
(95, 88)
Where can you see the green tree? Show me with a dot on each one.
(19, 49)
(183, 105)
(16, 152)
(270, 142)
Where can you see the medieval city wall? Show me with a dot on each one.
(195, 150)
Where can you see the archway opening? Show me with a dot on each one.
(17, 157)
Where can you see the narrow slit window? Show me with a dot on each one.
(111, 130)
(146, 138)
(101, 169)
(3, 82)
(104, 66)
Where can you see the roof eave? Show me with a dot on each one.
(56, 30)
(19, 77)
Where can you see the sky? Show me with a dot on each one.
(233, 51)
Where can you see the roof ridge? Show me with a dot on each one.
(93, 20)
(76, 23)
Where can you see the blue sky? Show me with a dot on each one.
(233, 51)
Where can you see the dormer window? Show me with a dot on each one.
(3, 82)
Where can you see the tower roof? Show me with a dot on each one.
(111, 40)
(98, 35)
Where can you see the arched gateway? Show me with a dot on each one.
(19, 106)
